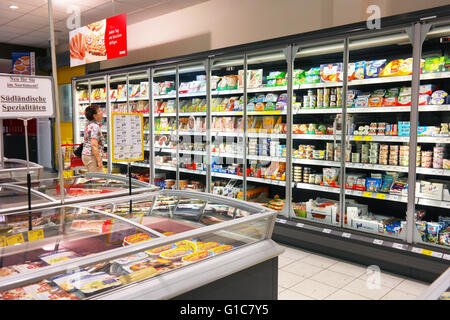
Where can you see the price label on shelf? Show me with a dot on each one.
(368, 138)
(34, 235)
(280, 220)
(445, 204)
(2, 241)
(436, 254)
(346, 235)
(326, 231)
(367, 194)
(381, 196)
(300, 225)
(358, 138)
(378, 242)
(398, 246)
(446, 257)
(15, 239)
(426, 252)
(416, 250)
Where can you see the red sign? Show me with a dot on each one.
(98, 41)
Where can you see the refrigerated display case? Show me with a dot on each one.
(105, 250)
(352, 97)
(81, 188)
(439, 289)
(16, 170)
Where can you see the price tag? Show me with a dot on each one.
(398, 246)
(2, 241)
(346, 235)
(436, 254)
(300, 225)
(426, 252)
(446, 257)
(367, 194)
(381, 196)
(377, 241)
(326, 231)
(368, 138)
(445, 204)
(35, 235)
(358, 138)
(416, 250)
(280, 220)
(15, 239)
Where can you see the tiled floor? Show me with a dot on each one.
(304, 275)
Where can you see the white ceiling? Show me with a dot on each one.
(29, 24)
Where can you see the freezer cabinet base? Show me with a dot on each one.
(420, 267)
(259, 282)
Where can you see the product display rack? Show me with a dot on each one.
(363, 209)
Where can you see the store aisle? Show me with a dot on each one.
(304, 275)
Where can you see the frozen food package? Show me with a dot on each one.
(375, 101)
(404, 101)
(427, 89)
(373, 185)
(392, 92)
(254, 78)
(424, 99)
(405, 91)
(391, 69)
(378, 93)
(271, 97)
(373, 68)
(362, 101)
(390, 101)
(57, 257)
(331, 72)
(360, 70)
(351, 71)
(434, 64)
(330, 176)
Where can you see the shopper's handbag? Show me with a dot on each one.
(77, 152)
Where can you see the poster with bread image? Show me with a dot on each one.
(98, 41)
(23, 63)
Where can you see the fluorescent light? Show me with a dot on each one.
(13, 6)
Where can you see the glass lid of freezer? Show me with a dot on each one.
(89, 184)
(9, 164)
(12, 196)
(111, 245)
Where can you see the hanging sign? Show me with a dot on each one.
(102, 40)
(26, 96)
(127, 137)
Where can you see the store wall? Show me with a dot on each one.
(217, 24)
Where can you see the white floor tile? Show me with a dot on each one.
(284, 261)
(412, 287)
(399, 295)
(319, 261)
(333, 278)
(295, 254)
(287, 279)
(387, 279)
(361, 287)
(302, 269)
(292, 295)
(345, 295)
(314, 289)
(280, 289)
(348, 269)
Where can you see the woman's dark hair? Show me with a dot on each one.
(90, 111)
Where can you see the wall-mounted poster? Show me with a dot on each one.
(98, 41)
(23, 63)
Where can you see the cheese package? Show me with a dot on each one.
(360, 70)
(91, 283)
(331, 72)
(66, 281)
(58, 256)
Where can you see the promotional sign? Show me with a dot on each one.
(98, 41)
(127, 137)
(25, 96)
(23, 63)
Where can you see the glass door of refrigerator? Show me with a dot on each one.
(138, 101)
(81, 101)
(377, 139)
(267, 77)
(118, 103)
(165, 127)
(317, 108)
(227, 127)
(432, 201)
(192, 126)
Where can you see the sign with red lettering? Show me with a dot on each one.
(98, 41)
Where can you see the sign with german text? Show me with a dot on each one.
(127, 137)
(102, 40)
(26, 96)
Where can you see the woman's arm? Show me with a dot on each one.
(95, 153)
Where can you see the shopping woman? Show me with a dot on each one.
(94, 141)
